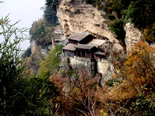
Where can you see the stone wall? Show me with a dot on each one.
(87, 63)
(102, 66)
(94, 66)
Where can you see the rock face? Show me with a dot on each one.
(75, 16)
(133, 35)
(87, 65)
(33, 46)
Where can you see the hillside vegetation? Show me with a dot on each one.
(55, 91)
(139, 12)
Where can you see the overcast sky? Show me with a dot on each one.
(25, 10)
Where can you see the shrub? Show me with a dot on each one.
(110, 16)
(51, 63)
(39, 95)
(144, 105)
(113, 81)
(140, 64)
(149, 34)
(141, 13)
(27, 53)
(41, 33)
(122, 91)
(118, 29)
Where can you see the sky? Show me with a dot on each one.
(27, 11)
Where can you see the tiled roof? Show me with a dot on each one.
(84, 46)
(97, 42)
(78, 36)
(70, 47)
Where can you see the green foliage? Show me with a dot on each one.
(20, 94)
(141, 13)
(144, 105)
(30, 97)
(119, 5)
(113, 81)
(11, 65)
(49, 2)
(51, 64)
(41, 33)
(135, 13)
(39, 95)
(34, 60)
(27, 53)
(9, 55)
(118, 29)
(50, 15)
(149, 34)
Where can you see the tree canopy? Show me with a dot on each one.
(20, 92)
(50, 12)
(50, 65)
(41, 33)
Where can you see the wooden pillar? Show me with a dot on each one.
(90, 54)
(85, 53)
(81, 53)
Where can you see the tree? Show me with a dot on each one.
(78, 92)
(118, 29)
(39, 94)
(50, 12)
(140, 66)
(141, 13)
(51, 63)
(41, 33)
(50, 15)
(119, 5)
(11, 65)
(149, 34)
(20, 92)
(49, 2)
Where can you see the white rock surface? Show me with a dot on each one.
(76, 17)
(33, 46)
(133, 35)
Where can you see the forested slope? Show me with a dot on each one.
(53, 90)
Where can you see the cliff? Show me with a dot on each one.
(77, 16)
(133, 35)
(80, 17)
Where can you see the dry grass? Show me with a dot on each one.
(123, 91)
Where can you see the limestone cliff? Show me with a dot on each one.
(77, 16)
(80, 17)
(133, 35)
(33, 46)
